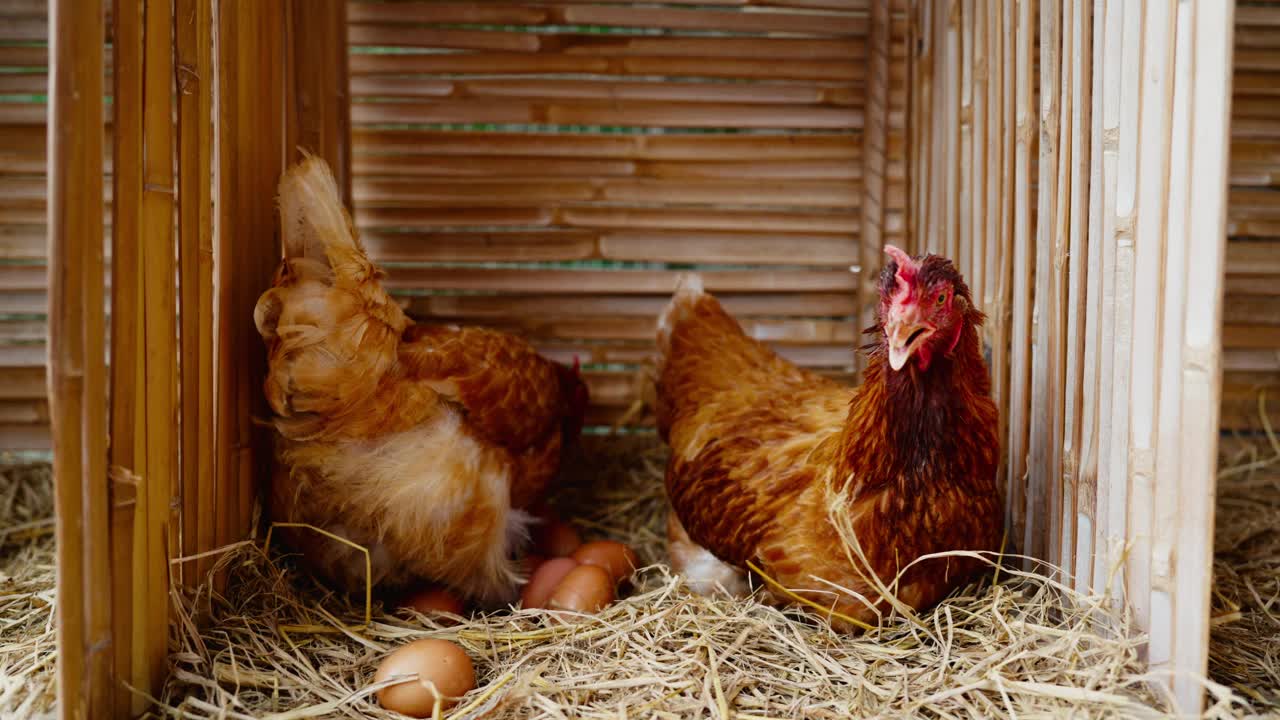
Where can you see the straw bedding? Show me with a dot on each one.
(27, 635)
(1015, 644)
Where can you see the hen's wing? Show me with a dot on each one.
(747, 429)
(510, 395)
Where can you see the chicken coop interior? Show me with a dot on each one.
(1104, 174)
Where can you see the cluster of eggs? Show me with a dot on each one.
(565, 575)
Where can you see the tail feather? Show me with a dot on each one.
(688, 290)
(332, 331)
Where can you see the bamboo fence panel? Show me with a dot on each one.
(1104, 358)
(76, 372)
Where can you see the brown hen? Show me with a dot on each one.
(764, 454)
(424, 444)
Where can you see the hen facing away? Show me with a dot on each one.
(425, 444)
(762, 450)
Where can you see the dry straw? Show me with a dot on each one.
(1021, 645)
(1016, 644)
(27, 636)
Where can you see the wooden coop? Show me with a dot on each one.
(1103, 172)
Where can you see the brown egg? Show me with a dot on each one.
(435, 662)
(587, 588)
(434, 601)
(544, 581)
(556, 539)
(617, 559)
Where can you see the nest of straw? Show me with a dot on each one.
(27, 580)
(1013, 644)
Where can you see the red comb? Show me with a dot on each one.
(905, 261)
(907, 268)
(576, 365)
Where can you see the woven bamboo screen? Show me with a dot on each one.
(1251, 336)
(550, 168)
(24, 413)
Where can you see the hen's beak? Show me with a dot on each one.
(905, 333)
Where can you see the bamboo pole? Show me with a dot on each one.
(128, 367)
(966, 189)
(76, 364)
(1087, 495)
(949, 156)
(1201, 353)
(193, 31)
(1020, 365)
(1168, 442)
(318, 105)
(1041, 483)
(160, 483)
(992, 303)
(875, 140)
(251, 61)
(1156, 96)
(935, 204)
(1077, 272)
(1112, 24)
(976, 23)
(1001, 355)
(1125, 216)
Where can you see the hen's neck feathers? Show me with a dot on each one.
(910, 427)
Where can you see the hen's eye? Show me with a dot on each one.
(942, 297)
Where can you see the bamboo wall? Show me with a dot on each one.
(1251, 335)
(209, 105)
(1088, 207)
(553, 173)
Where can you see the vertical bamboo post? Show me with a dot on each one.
(128, 368)
(1156, 95)
(949, 157)
(1041, 490)
(1202, 342)
(1125, 208)
(1168, 441)
(193, 32)
(1020, 366)
(977, 21)
(874, 143)
(250, 155)
(1077, 272)
(159, 485)
(1110, 111)
(927, 236)
(76, 368)
(1003, 260)
(965, 187)
(318, 107)
(1088, 494)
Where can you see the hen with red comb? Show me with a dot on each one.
(763, 452)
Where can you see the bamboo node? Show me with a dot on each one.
(1142, 461)
(1124, 230)
(1111, 140)
(1199, 360)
